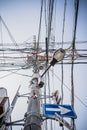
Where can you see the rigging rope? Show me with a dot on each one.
(39, 32)
(45, 15)
(51, 6)
(62, 68)
(12, 38)
(72, 67)
(2, 38)
(64, 16)
(50, 14)
(8, 74)
(63, 29)
(1, 30)
(73, 45)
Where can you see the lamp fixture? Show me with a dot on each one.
(58, 56)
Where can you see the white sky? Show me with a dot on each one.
(22, 18)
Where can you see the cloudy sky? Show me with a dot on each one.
(22, 19)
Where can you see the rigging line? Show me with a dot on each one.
(73, 47)
(8, 74)
(45, 93)
(45, 10)
(56, 42)
(51, 6)
(79, 55)
(19, 73)
(82, 56)
(39, 32)
(70, 90)
(1, 37)
(54, 15)
(1, 31)
(12, 51)
(64, 16)
(46, 41)
(53, 79)
(69, 42)
(51, 3)
(72, 66)
(25, 41)
(68, 63)
(48, 84)
(49, 92)
(63, 30)
(52, 91)
(45, 77)
(50, 14)
(12, 38)
(62, 77)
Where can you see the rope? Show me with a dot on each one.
(72, 67)
(2, 38)
(45, 12)
(51, 5)
(39, 32)
(63, 29)
(12, 38)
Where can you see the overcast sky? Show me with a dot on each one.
(22, 19)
